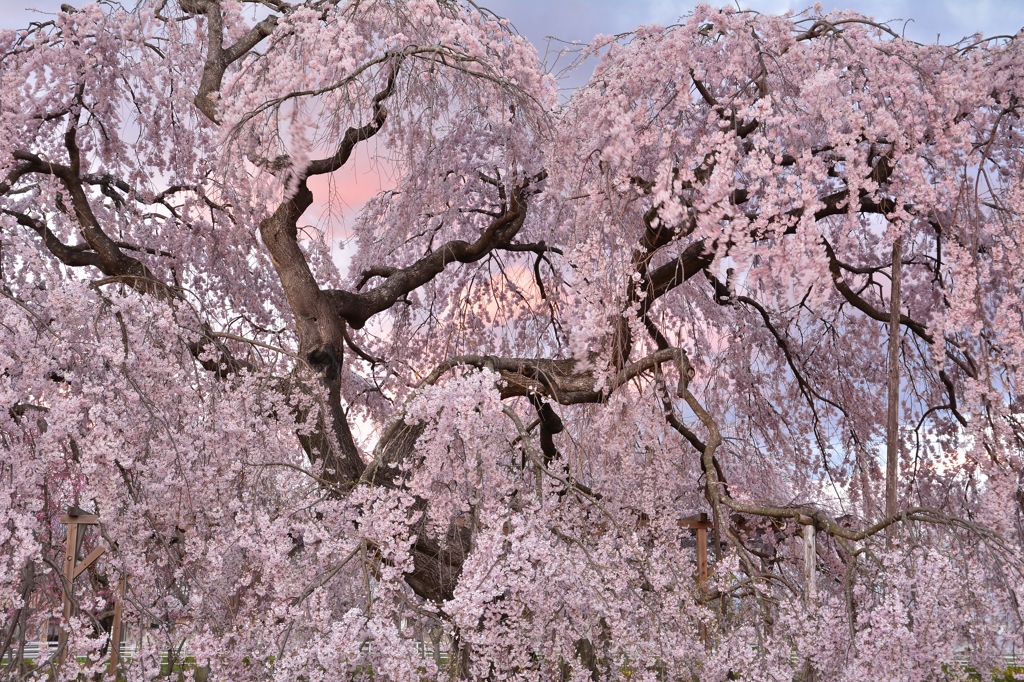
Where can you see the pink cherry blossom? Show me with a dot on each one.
(568, 323)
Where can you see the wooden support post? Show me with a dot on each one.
(701, 524)
(702, 554)
(810, 587)
(88, 561)
(70, 557)
(892, 425)
(115, 630)
(810, 560)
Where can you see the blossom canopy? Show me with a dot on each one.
(482, 420)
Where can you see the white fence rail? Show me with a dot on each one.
(41, 651)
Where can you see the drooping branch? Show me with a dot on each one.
(73, 256)
(694, 258)
(806, 514)
(700, 254)
(540, 463)
(357, 308)
(728, 114)
(550, 425)
(854, 299)
(108, 255)
(951, 392)
(13, 176)
(354, 136)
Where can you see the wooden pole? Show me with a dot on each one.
(70, 552)
(810, 588)
(115, 630)
(892, 430)
(701, 524)
(702, 554)
(810, 560)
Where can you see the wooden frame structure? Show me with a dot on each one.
(701, 524)
(74, 519)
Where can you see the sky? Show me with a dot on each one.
(583, 19)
